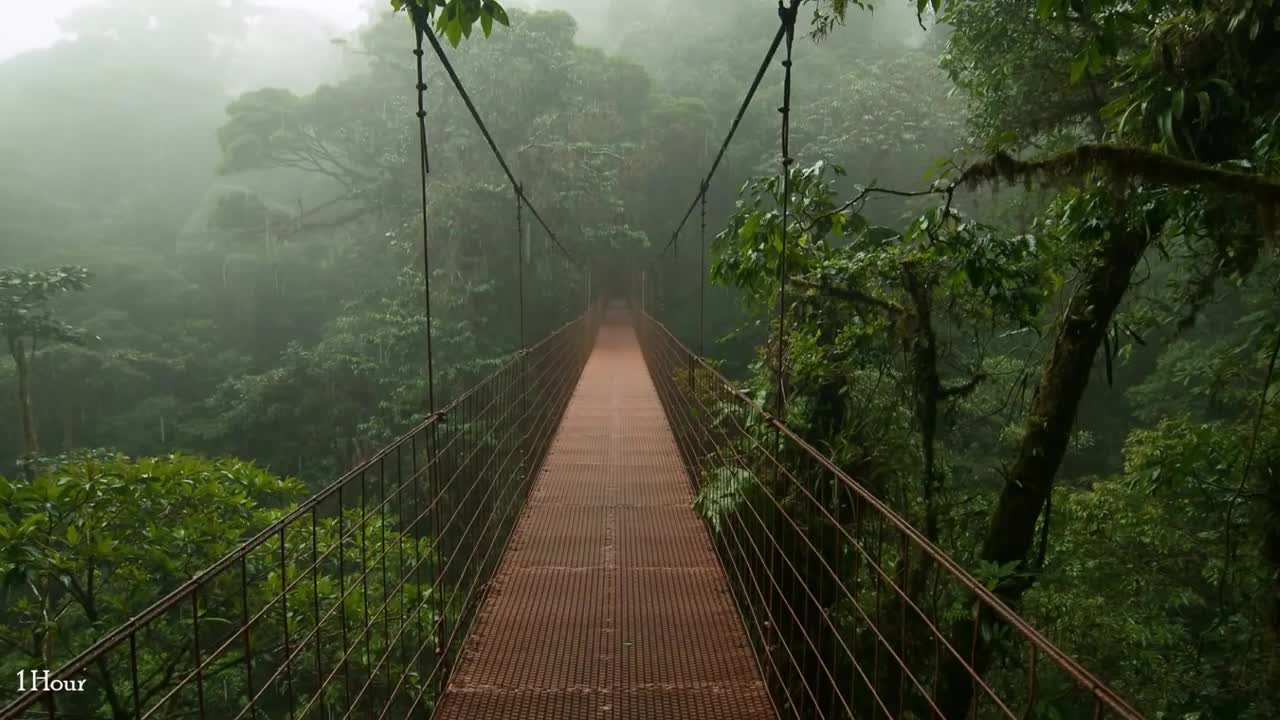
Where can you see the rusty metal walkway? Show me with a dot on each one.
(610, 602)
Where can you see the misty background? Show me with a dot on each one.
(116, 134)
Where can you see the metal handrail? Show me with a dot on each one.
(684, 380)
(554, 362)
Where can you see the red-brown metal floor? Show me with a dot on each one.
(610, 602)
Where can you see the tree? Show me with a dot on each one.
(583, 131)
(25, 317)
(1151, 149)
(1132, 199)
(89, 529)
(79, 541)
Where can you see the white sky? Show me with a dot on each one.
(29, 24)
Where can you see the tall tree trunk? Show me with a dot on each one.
(1011, 532)
(1271, 553)
(816, 550)
(921, 348)
(1268, 469)
(25, 414)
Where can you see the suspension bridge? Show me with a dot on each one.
(606, 527)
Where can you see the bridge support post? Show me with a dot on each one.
(693, 369)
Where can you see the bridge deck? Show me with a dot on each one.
(610, 602)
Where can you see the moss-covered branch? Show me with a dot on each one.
(849, 294)
(1124, 163)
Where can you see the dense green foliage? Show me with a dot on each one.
(944, 357)
(87, 531)
(25, 319)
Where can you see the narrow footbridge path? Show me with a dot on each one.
(610, 601)
(604, 528)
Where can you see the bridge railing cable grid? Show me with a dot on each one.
(851, 611)
(360, 597)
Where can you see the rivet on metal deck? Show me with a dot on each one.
(610, 602)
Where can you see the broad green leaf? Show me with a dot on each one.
(1078, 65)
(1166, 126)
(855, 223)
(1124, 120)
(453, 31)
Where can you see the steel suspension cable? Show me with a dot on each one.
(420, 20)
(421, 25)
(786, 31)
(788, 16)
(733, 128)
(493, 146)
(702, 273)
(520, 258)
(777, 555)
(524, 376)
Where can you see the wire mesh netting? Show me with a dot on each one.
(361, 596)
(610, 602)
(850, 610)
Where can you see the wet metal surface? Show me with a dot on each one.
(609, 602)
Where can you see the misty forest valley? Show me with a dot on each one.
(980, 299)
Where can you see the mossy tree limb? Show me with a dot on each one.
(1120, 162)
(1011, 531)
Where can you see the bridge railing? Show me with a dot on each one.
(851, 612)
(356, 602)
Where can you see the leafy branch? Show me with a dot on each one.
(1122, 163)
(454, 18)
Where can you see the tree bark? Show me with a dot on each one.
(25, 414)
(1271, 600)
(1011, 530)
(921, 348)
(1269, 517)
(815, 553)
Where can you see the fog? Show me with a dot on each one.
(1015, 279)
(224, 255)
(29, 26)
